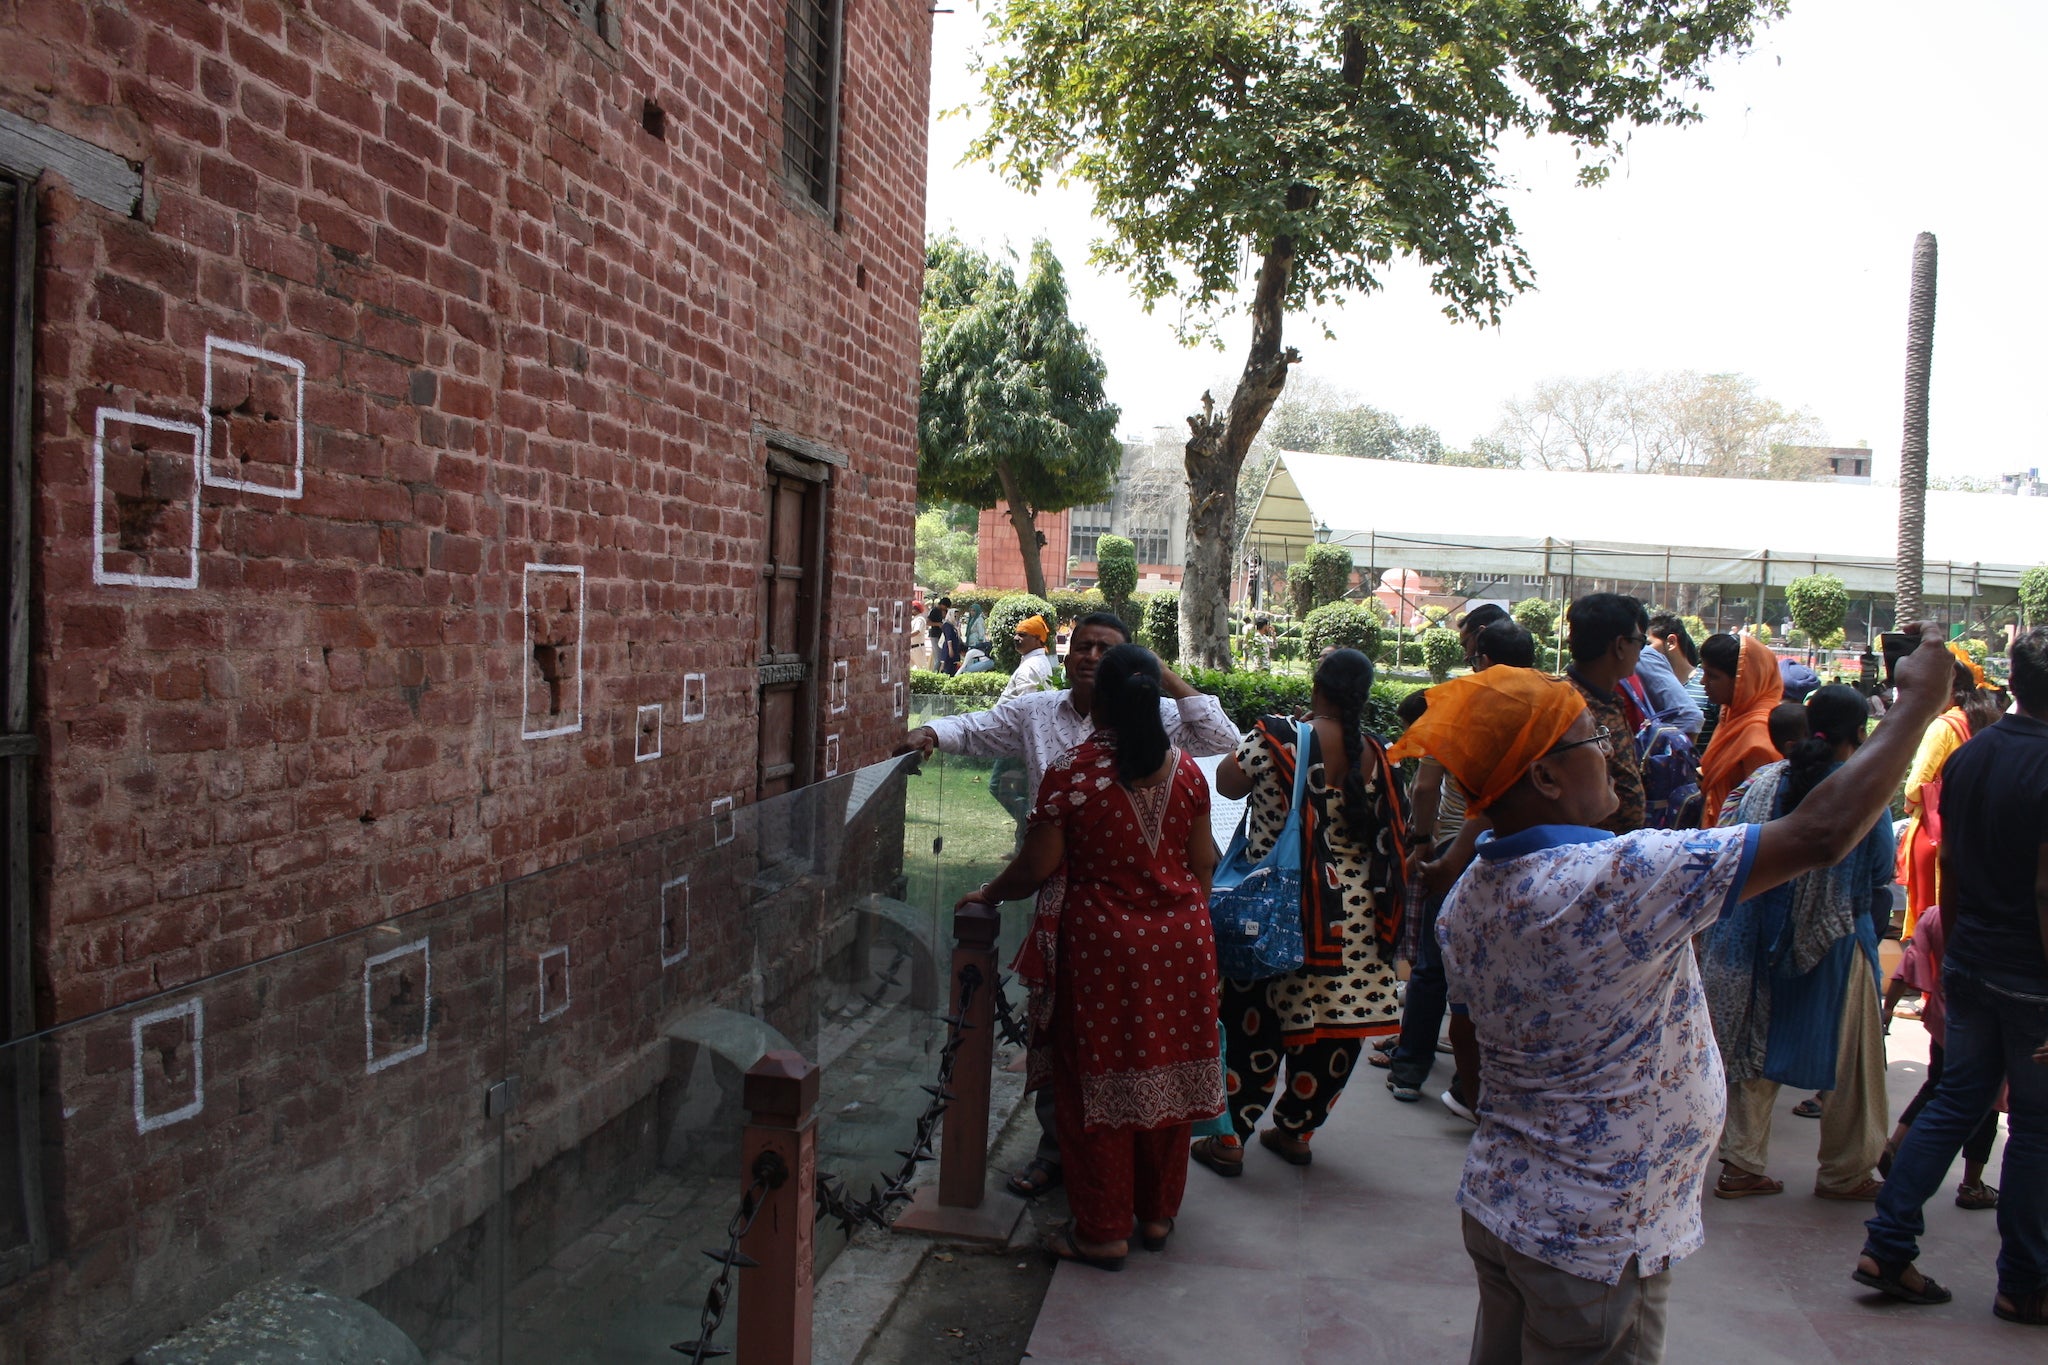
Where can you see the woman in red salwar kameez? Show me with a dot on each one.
(1121, 963)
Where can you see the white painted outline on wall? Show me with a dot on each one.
(146, 1122)
(638, 718)
(670, 959)
(374, 1063)
(836, 695)
(554, 1012)
(298, 369)
(721, 809)
(899, 699)
(693, 713)
(100, 575)
(526, 650)
(886, 668)
(874, 628)
(898, 619)
(831, 755)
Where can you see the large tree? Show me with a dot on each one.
(1682, 423)
(1307, 144)
(1011, 408)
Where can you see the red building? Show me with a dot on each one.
(458, 439)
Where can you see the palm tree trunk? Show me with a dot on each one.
(1913, 448)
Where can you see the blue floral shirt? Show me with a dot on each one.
(1602, 1091)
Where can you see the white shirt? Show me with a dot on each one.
(1602, 1089)
(1039, 727)
(1032, 671)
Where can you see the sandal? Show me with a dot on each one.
(1867, 1189)
(1735, 1184)
(2029, 1310)
(1060, 1244)
(1807, 1108)
(1208, 1152)
(1976, 1194)
(1378, 1058)
(1155, 1243)
(1038, 1176)
(1890, 1281)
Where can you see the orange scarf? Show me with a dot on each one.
(1488, 728)
(1742, 739)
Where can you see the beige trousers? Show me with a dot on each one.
(1535, 1314)
(1854, 1116)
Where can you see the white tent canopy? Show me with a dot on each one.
(1641, 527)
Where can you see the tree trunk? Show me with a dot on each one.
(1913, 448)
(1215, 453)
(1025, 522)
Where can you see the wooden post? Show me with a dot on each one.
(780, 1093)
(962, 1205)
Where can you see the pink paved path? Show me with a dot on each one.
(1357, 1259)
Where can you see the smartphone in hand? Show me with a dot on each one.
(1896, 646)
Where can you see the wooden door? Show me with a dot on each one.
(791, 596)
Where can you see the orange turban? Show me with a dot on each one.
(1487, 728)
(1035, 625)
(1962, 657)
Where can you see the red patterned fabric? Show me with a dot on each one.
(1120, 959)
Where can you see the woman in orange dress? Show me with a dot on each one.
(1741, 677)
(1919, 869)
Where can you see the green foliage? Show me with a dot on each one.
(945, 557)
(986, 685)
(1162, 624)
(1819, 603)
(1011, 404)
(1442, 651)
(1361, 133)
(1537, 616)
(1300, 589)
(1072, 604)
(1316, 417)
(1762, 631)
(1976, 649)
(1329, 574)
(2034, 595)
(1116, 570)
(1435, 615)
(1837, 638)
(1002, 624)
(1341, 625)
(1247, 696)
(1696, 628)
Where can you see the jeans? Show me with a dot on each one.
(1995, 1021)
(1422, 1013)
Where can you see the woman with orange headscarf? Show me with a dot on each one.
(1742, 678)
(1919, 865)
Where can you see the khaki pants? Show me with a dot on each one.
(1531, 1313)
(1853, 1116)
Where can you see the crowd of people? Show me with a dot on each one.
(1648, 893)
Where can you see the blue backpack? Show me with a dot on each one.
(1671, 773)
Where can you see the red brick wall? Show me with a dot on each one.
(1000, 564)
(531, 332)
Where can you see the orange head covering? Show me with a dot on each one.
(1487, 728)
(1742, 737)
(1035, 625)
(1962, 656)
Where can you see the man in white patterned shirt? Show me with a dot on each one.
(1039, 728)
(1603, 1091)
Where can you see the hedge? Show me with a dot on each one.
(988, 684)
(1245, 696)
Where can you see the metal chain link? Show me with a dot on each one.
(1012, 1030)
(770, 1172)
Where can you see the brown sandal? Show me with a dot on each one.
(1868, 1189)
(2029, 1310)
(1735, 1184)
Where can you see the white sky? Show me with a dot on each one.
(1774, 239)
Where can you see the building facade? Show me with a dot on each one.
(450, 441)
(1148, 507)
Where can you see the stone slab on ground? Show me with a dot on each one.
(1358, 1259)
(284, 1322)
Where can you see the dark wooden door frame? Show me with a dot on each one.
(782, 462)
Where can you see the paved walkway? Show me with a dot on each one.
(1358, 1259)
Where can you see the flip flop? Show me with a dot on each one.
(1061, 1245)
(1038, 1176)
(1887, 1282)
(1807, 1109)
(1749, 1185)
(1977, 1196)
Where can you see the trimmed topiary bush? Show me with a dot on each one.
(1341, 625)
(1537, 616)
(1442, 651)
(1116, 570)
(1002, 624)
(1072, 604)
(1818, 603)
(1161, 624)
(1300, 591)
(1329, 574)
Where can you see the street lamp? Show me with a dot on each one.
(1322, 533)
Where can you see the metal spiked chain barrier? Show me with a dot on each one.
(769, 1174)
(836, 1202)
